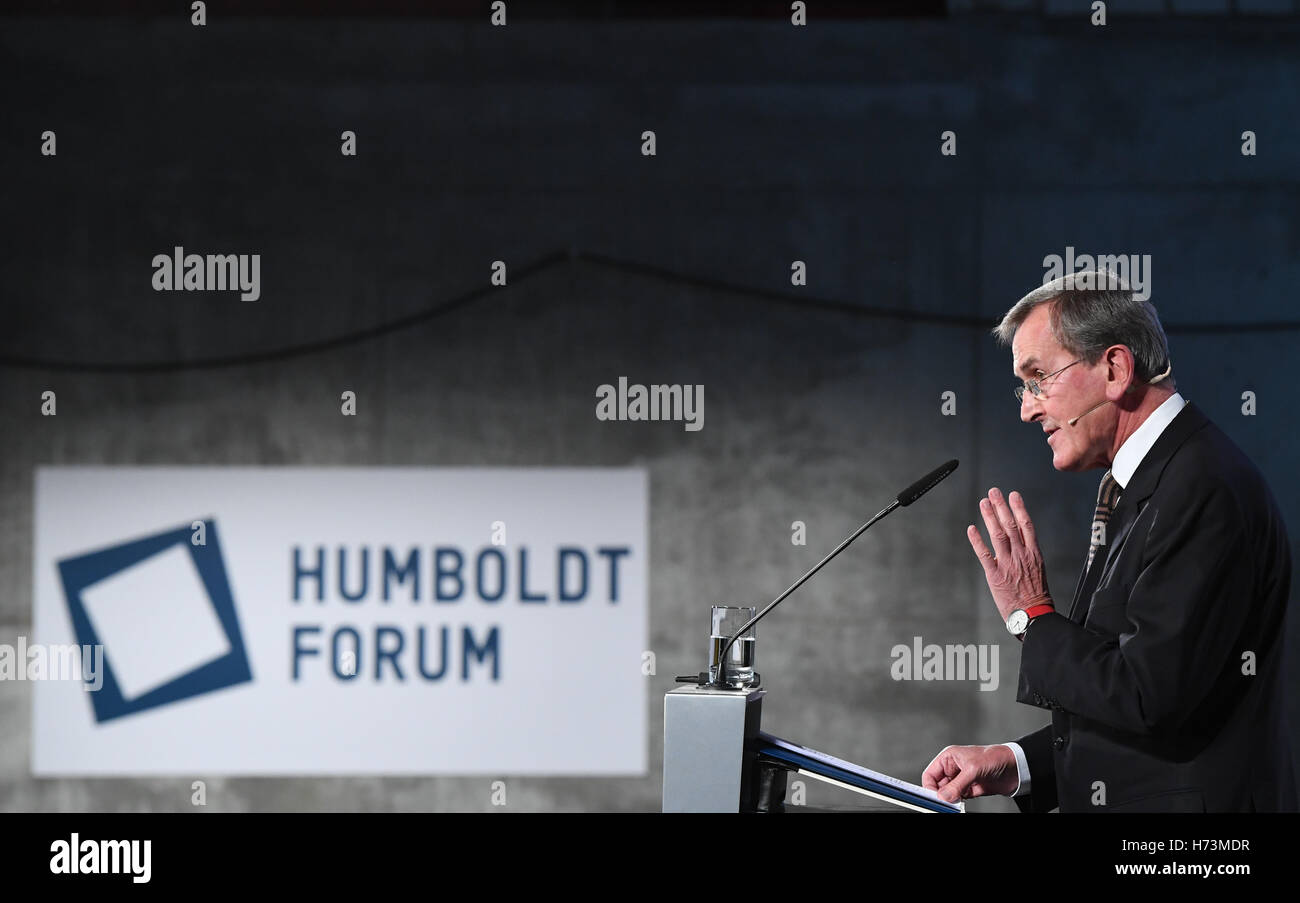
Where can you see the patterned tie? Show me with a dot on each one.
(1107, 498)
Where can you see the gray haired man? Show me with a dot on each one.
(1162, 671)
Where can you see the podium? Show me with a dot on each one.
(709, 760)
(718, 759)
(716, 756)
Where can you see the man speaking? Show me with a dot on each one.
(1163, 670)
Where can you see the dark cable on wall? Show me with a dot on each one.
(540, 266)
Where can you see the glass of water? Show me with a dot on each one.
(724, 622)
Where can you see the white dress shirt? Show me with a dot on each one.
(1126, 463)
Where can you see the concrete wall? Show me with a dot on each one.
(774, 144)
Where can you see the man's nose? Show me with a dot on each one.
(1030, 407)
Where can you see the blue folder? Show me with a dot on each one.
(819, 763)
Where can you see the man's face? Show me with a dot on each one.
(1035, 354)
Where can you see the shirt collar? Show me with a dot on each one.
(1136, 446)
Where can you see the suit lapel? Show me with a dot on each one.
(1078, 591)
(1121, 521)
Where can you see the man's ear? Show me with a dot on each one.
(1119, 371)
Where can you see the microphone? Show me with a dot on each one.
(1072, 421)
(926, 483)
(904, 498)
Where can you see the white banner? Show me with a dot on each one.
(340, 621)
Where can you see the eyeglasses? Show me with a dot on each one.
(1035, 386)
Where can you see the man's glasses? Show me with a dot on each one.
(1035, 386)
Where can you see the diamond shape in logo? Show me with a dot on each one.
(163, 611)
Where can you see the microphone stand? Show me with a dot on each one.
(720, 680)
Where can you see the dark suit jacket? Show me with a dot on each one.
(1144, 675)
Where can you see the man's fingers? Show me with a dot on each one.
(1005, 516)
(1022, 518)
(937, 772)
(954, 775)
(977, 543)
(997, 535)
(958, 785)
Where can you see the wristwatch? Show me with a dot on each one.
(1018, 620)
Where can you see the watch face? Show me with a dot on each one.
(1018, 621)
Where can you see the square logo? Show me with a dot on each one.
(162, 609)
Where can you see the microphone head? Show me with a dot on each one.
(926, 483)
